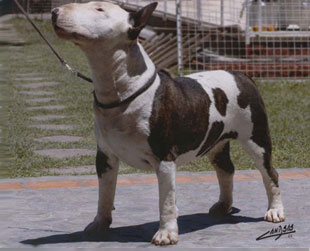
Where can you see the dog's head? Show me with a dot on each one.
(103, 22)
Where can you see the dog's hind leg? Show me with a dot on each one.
(220, 158)
(262, 159)
(107, 169)
(254, 137)
(168, 229)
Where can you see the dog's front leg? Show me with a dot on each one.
(168, 229)
(107, 169)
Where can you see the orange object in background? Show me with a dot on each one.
(264, 28)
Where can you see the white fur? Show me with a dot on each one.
(168, 229)
(275, 212)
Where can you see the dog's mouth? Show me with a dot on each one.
(59, 30)
(68, 35)
(63, 33)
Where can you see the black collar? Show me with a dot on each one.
(129, 99)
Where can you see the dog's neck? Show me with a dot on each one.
(120, 72)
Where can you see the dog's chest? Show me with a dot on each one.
(126, 136)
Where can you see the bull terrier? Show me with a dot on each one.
(152, 121)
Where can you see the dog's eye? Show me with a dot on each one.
(99, 9)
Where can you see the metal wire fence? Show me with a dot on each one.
(262, 38)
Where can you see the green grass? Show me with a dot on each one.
(287, 103)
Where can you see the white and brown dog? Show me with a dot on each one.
(151, 121)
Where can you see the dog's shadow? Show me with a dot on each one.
(144, 232)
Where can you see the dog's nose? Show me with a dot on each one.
(55, 14)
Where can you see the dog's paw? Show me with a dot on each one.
(165, 237)
(275, 215)
(220, 209)
(98, 227)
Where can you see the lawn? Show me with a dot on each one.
(287, 102)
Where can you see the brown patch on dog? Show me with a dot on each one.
(213, 136)
(222, 159)
(220, 208)
(221, 100)
(180, 117)
(102, 164)
(229, 135)
(249, 96)
(273, 174)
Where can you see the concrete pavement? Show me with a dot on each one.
(53, 211)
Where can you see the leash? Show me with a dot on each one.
(62, 61)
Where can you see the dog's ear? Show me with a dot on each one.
(139, 20)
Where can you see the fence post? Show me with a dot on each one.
(247, 22)
(199, 12)
(165, 9)
(260, 17)
(179, 36)
(222, 13)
